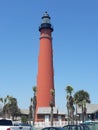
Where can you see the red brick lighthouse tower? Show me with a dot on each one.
(45, 77)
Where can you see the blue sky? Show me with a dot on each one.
(75, 47)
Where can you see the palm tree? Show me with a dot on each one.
(70, 107)
(1, 112)
(75, 102)
(69, 90)
(1, 99)
(84, 110)
(13, 107)
(82, 97)
(31, 109)
(10, 108)
(5, 101)
(52, 92)
(34, 103)
(34, 90)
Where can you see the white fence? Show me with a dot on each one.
(46, 124)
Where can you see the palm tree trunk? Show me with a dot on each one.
(34, 118)
(51, 120)
(76, 115)
(68, 115)
(82, 114)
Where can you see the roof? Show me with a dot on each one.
(91, 108)
(24, 111)
(61, 112)
(47, 110)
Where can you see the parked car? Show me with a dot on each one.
(24, 124)
(85, 127)
(92, 125)
(76, 127)
(7, 124)
(53, 128)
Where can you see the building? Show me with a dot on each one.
(45, 77)
(91, 112)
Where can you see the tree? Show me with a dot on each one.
(24, 119)
(81, 98)
(4, 102)
(11, 108)
(34, 102)
(69, 90)
(1, 100)
(75, 102)
(1, 108)
(70, 106)
(52, 92)
(31, 110)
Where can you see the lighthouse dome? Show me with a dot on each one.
(45, 22)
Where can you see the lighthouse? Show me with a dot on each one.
(45, 75)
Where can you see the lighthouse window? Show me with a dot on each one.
(46, 20)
